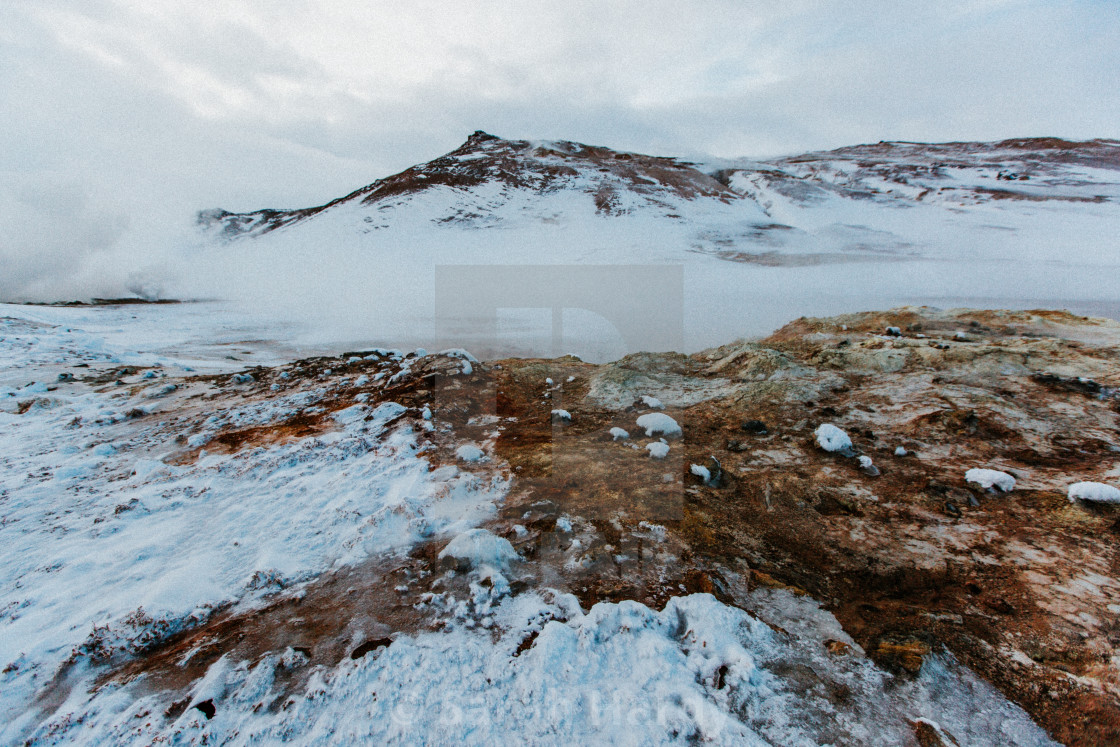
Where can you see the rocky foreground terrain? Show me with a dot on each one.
(918, 566)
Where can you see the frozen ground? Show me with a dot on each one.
(108, 545)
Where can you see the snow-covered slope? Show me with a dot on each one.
(489, 181)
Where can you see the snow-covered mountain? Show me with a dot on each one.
(489, 181)
(1018, 223)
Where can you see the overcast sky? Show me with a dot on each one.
(120, 115)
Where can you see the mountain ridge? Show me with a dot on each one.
(620, 181)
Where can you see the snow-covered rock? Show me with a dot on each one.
(479, 548)
(469, 453)
(1094, 492)
(659, 422)
(868, 467)
(830, 438)
(990, 479)
(619, 433)
(658, 449)
(651, 402)
(561, 415)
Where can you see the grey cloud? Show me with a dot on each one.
(173, 107)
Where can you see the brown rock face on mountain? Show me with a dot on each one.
(1023, 587)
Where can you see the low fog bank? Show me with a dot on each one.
(334, 288)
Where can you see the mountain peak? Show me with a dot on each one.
(478, 136)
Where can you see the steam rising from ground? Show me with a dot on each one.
(64, 240)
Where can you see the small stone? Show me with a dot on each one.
(905, 655)
(930, 734)
(868, 467)
(755, 427)
(716, 471)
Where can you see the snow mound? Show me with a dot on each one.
(469, 453)
(658, 449)
(651, 402)
(659, 422)
(1096, 492)
(617, 433)
(480, 548)
(466, 358)
(702, 472)
(831, 438)
(990, 478)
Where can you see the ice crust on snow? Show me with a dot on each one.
(1095, 492)
(659, 422)
(831, 438)
(990, 478)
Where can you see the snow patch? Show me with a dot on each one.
(1096, 492)
(659, 422)
(990, 478)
